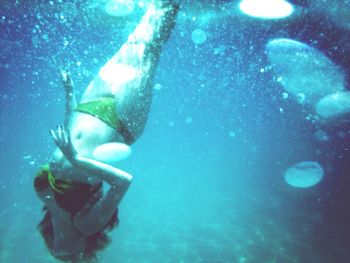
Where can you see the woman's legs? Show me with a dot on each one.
(128, 75)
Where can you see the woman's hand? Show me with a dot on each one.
(63, 141)
(67, 82)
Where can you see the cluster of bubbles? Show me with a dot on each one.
(321, 84)
(307, 76)
(310, 78)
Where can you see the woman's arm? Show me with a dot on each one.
(97, 212)
(70, 96)
(113, 176)
(47, 197)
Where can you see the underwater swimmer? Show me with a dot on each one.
(114, 108)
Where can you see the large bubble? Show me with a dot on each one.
(111, 152)
(198, 36)
(267, 9)
(119, 8)
(304, 174)
(337, 11)
(321, 136)
(302, 69)
(334, 105)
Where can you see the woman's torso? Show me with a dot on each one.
(87, 132)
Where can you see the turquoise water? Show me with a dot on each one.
(209, 169)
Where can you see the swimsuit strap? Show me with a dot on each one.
(45, 178)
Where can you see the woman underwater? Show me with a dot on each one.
(113, 108)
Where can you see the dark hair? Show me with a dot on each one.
(72, 197)
(94, 243)
(72, 200)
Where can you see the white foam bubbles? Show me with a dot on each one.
(304, 174)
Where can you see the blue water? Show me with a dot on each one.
(208, 171)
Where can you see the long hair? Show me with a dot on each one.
(72, 199)
(94, 243)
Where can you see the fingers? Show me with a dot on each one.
(64, 76)
(53, 134)
(60, 132)
(60, 136)
(62, 140)
(66, 79)
(65, 134)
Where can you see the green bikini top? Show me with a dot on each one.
(104, 109)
